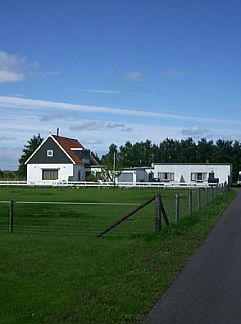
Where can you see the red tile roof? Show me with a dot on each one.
(69, 143)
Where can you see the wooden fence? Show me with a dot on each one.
(101, 218)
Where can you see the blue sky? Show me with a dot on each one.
(112, 71)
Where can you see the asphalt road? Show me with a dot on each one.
(208, 290)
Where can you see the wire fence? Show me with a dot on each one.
(91, 218)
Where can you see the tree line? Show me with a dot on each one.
(175, 151)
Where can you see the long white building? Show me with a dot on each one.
(192, 172)
(180, 173)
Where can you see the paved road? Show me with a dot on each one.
(208, 291)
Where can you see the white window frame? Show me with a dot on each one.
(50, 153)
(199, 176)
(166, 176)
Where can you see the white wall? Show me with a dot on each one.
(138, 175)
(34, 172)
(221, 171)
(126, 176)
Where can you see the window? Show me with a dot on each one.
(198, 176)
(166, 176)
(50, 153)
(50, 174)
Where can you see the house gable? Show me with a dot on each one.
(49, 153)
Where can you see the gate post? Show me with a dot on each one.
(198, 199)
(157, 213)
(190, 202)
(177, 209)
(11, 211)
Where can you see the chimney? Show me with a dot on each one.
(57, 131)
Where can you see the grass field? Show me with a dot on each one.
(88, 210)
(49, 278)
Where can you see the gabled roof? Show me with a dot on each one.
(68, 146)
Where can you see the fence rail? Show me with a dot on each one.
(85, 218)
(103, 184)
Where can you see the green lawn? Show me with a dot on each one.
(87, 218)
(49, 278)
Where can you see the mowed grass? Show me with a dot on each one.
(81, 194)
(87, 210)
(49, 278)
(99, 207)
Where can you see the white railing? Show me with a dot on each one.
(13, 183)
(101, 184)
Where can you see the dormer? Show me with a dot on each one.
(82, 153)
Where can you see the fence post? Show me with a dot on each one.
(225, 187)
(11, 207)
(177, 209)
(207, 196)
(190, 202)
(212, 193)
(157, 213)
(198, 198)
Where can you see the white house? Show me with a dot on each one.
(191, 173)
(179, 174)
(59, 159)
(176, 174)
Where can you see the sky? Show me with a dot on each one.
(115, 71)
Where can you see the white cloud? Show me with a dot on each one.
(174, 73)
(17, 95)
(114, 92)
(12, 67)
(133, 76)
(99, 125)
(33, 104)
(96, 134)
(7, 138)
(195, 131)
(9, 158)
(10, 76)
(51, 117)
(101, 91)
(15, 68)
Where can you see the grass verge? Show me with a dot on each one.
(65, 279)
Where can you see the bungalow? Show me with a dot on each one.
(179, 174)
(192, 173)
(59, 159)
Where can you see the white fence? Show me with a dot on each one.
(102, 184)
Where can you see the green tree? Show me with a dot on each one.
(223, 151)
(126, 155)
(205, 151)
(236, 159)
(28, 150)
(169, 151)
(109, 159)
(111, 167)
